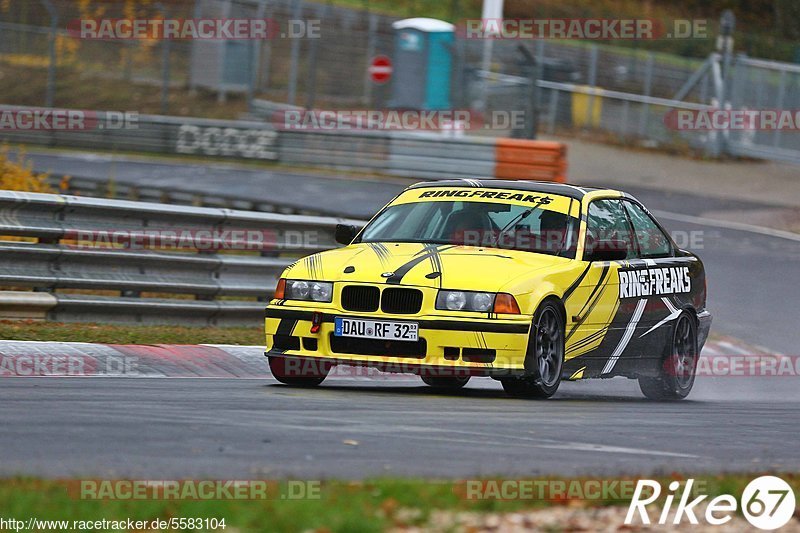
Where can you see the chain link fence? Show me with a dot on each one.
(325, 67)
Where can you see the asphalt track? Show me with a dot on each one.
(228, 428)
(256, 428)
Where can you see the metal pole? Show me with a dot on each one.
(648, 86)
(727, 23)
(776, 136)
(267, 52)
(297, 10)
(50, 94)
(592, 82)
(255, 61)
(372, 37)
(553, 111)
(165, 65)
(311, 88)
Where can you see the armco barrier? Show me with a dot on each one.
(77, 276)
(432, 156)
(424, 155)
(110, 130)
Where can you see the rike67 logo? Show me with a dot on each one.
(767, 502)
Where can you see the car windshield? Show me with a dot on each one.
(473, 223)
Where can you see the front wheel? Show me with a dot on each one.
(678, 369)
(544, 358)
(298, 372)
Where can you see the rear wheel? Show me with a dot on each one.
(677, 371)
(446, 382)
(298, 372)
(544, 358)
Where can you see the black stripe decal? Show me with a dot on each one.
(596, 288)
(588, 340)
(426, 253)
(593, 298)
(576, 283)
(286, 326)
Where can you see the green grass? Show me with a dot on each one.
(373, 505)
(28, 330)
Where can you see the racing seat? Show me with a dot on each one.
(552, 231)
(471, 227)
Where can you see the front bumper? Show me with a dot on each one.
(477, 347)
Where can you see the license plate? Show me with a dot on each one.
(375, 329)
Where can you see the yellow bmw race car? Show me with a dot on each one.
(525, 282)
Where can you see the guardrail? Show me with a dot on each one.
(90, 259)
(425, 155)
(109, 187)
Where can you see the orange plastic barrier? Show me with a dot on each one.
(523, 159)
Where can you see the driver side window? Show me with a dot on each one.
(607, 221)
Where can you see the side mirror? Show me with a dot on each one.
(608, 250)
(345, 233)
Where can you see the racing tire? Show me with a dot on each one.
(446, 382)
(677, 370)
(544, 358)
(298, 372)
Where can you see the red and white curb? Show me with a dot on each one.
(79, 359)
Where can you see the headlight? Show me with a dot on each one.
(314, 291)
(480, 302)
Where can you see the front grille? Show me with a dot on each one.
(356, 346)
(401, 301)
(360, 298)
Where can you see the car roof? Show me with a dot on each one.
(563, 189)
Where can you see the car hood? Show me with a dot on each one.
(460, 267)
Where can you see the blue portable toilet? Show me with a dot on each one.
(422, 64)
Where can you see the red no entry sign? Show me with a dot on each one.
(380, 69)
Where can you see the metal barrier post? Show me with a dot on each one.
(165, 65)
(371, 45)
(51, 68)
(592, 81)
(648, 86)
(297, 10)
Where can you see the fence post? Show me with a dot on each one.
(266, 51)
(727, 23)
(592, 82)
(776, 136)
(311, 88)
(255, 61)
(372, 31)
(50, 95)
(648, 87)
(165, 74)
(297, 10)
(553, 111)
